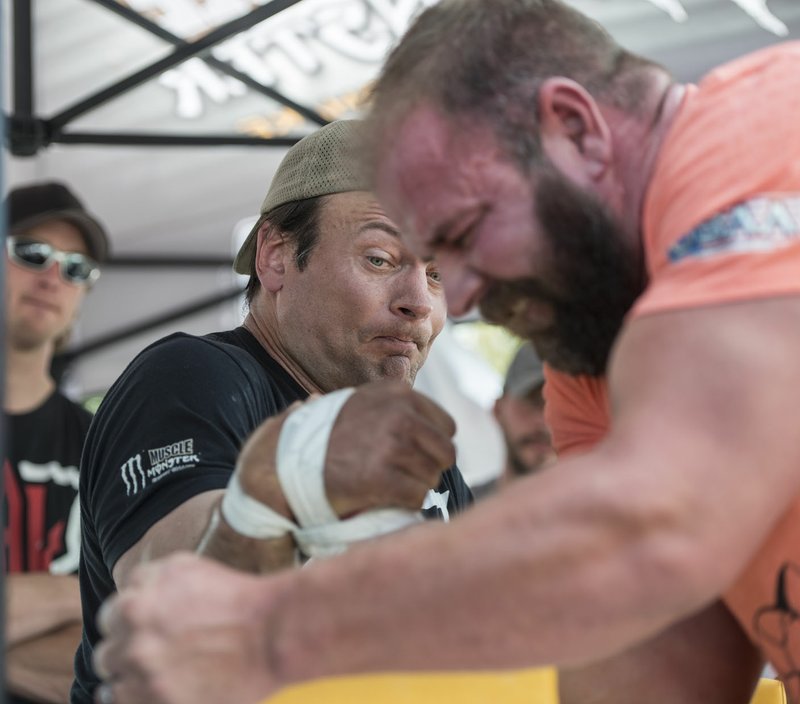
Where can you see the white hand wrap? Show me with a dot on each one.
(300, 461)
(300, 458)
(251, 518)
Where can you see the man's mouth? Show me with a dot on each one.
(41, 304)
(397, 345)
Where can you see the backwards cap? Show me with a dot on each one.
(325, 162)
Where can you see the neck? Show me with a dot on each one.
(638, 141)
(28, 380)
(263, 325)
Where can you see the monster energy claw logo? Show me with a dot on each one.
(133, 474)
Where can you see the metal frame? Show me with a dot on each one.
(2, 378)
(66, 358)
(27, 133)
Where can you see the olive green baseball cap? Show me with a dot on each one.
(325, 162)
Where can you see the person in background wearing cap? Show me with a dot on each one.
(520, 413)
(335, 301)
(52, 253)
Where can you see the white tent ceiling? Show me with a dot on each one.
(187, 201)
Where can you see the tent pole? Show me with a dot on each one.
(181, 54)
(140, 21)
(23, 59)
(3, 228)
(145, 326)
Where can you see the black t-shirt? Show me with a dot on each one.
(170, 428)
(40, 473)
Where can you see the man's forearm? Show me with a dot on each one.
(42, 668)
(225, 545)
(39, 602)
(560, 569)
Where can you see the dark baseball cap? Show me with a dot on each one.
(38, 203)
(525, 373)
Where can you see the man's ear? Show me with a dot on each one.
(575, 136)
(272, 250)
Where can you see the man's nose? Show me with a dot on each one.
(415, 299)
(49, 277)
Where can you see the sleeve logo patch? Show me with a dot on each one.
(758, 225)
(163, 461)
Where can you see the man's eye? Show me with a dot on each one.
(376, 261)
(435, 276)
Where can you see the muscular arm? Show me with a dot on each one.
(388, 446)
(705, 658)
(42, 668)
(587, 559)
(196, 525)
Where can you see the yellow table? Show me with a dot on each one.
(512, 687)
(769, 692)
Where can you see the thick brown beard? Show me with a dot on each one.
(591, 283)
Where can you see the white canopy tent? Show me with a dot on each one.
(172, 210)
(168, 117)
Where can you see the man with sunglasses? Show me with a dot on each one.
(53, 249)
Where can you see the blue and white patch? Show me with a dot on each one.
(758, 225)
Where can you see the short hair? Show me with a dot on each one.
(298, 222)
(486, 60)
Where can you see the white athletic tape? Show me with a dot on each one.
(335, 538)
(300, 458)
(300, 461)
(251, 518)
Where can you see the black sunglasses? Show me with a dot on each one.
(74, 267)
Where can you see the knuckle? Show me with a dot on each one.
(142, 652)
(128, 609)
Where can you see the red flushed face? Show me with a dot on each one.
(536, 252)
(455, 197)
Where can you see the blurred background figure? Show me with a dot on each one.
(520, 413)
(462, 382)
(53, 249)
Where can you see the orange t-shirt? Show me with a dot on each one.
(721, 224)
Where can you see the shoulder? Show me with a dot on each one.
(702, 169)
(185, 351)
(200, 366)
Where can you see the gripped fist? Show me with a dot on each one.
(388, 447)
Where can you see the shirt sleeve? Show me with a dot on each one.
(722, 222)
(169, 429)
(576, 411)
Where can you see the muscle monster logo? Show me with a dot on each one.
(777, 627)
(164, 461)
